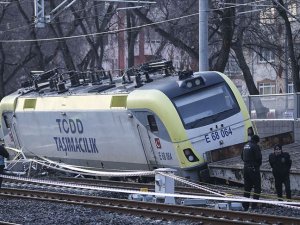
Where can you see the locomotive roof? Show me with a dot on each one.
(168, 85)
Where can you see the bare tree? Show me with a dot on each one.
(18, 59)
(283, 12)
(132, 35)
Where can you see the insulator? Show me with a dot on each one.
(36, 87)
(94, 79)
(138, 81)
(110, 78)
(167, 73)
(85, 79)
(148, 79)
(105, 75)
(52, 85)
(124, 80)
(26, 84)
(129, 73)
(98, 76)
(74, 78)
(61, 87)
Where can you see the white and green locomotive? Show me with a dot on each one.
(171, 121)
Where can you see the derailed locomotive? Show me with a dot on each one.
(165, 120)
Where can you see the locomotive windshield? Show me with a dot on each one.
(206, 106)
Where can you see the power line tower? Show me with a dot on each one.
(39, 13)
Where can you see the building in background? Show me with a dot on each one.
(270, 74)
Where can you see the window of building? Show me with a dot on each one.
(266, 88)
(266, 55)
(291, 87)
(152, 37)
(267, 16)
(292, 7)
(232, 68)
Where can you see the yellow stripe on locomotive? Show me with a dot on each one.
(160, 105)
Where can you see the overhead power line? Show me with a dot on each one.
(41, 19)
(101, 33)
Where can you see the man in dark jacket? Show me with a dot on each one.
(281, 164)
(251, 155)
(3, 154)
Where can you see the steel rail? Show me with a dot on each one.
(133, 186)
(150, 186)
(122, 184)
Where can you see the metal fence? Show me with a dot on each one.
(275, 106)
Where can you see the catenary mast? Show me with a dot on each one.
(203, 35)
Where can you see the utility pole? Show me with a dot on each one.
(203, 35)
(286, 63)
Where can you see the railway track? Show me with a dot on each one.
(114, 184)
(152, 210)
(150, 187)
(126, 185)
(133, 185)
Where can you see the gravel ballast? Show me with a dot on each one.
(46, 213)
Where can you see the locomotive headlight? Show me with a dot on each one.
(189, 84)
(190, 155)
(197, 82)
(191, 158)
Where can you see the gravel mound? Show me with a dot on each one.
(48, 213)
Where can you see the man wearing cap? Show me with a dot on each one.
(281, 164)
(251, 155)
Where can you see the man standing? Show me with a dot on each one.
(281, 164)
(251, 155)
(3, 154)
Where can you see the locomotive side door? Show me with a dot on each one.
(9, 130)
(145, 127)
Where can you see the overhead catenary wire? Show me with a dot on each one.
(98, 33)
(103, 33)
(61, 22)
(12, 3)
(110, 46)
(56, 15)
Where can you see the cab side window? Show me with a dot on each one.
(7, 121)
(152, 123)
